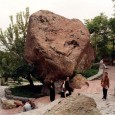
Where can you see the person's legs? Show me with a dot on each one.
(69, 92)
(51, 95)
(62, 94)
(69, 89)
(104, 93)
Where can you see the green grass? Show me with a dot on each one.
(26, 91)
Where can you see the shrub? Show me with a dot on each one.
(89, 72)
(26, 91)
(95, 66)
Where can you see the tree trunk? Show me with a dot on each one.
(113, 52)
(30, 80)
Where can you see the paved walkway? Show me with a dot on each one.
(94, 90)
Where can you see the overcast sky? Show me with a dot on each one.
(80, 9)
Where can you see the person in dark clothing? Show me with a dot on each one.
(67, 86)
(52, 91)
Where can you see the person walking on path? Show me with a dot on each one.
(52, 91)
(105, 85)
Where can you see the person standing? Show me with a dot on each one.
(105, 85)
(52, 91)
(63, 89)
(67, 86)
(102, 65)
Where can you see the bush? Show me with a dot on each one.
(95, 66)
(89, 72)
(26, 91)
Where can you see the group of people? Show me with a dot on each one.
(65, 89)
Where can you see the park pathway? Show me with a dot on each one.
(94, 90)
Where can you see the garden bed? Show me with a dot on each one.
(27, 91)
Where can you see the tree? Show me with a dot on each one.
(12, 40)
(112, 35)
(98, 28)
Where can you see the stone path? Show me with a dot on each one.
(94, 90)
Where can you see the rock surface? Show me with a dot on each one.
(78, 81)
(94, 91)
(75, 105)
(8, 104)
(57, 46)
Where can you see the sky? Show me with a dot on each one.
(79, 9)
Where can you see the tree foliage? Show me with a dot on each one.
(100, 32)
(12, 41)
(112, 25)
(14, 37)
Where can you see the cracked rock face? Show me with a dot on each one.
(57, 46)
(75, 105)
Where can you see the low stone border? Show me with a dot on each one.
(8, 95)
(99, 74)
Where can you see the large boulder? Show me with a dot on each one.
(8, 104)
(75, 105)
(78, 81)
(57, 46)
